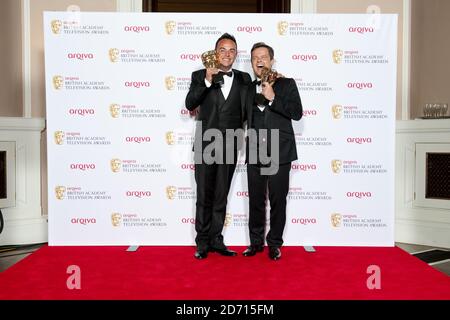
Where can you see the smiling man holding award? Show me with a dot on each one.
(219, 93)
(273, 101)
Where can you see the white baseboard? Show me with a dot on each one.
(422, 233)
(24, 231)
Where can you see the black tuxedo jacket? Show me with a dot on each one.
(286, 106)
(212, 104)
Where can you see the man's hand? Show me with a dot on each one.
(210, 72)
(267, 91)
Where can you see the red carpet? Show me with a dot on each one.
(171, 273)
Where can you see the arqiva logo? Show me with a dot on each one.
(138, 194)
(359, 194)
(303, 166)
(307, 113)
(137, 84)
(81, 111)
(83, 221)
(80, 56)
(188, 166)
(249, 29)
(137, 29)
(361, 30)
(138, 139)
(188, 220)
(359, 140)
(82, 166)
(304, 221)
(304, 57)
(190, 56)
(360, 85)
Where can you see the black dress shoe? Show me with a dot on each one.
(201, 254)
(252, 250)
(223, 251)
(274, 253)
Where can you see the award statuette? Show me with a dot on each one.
(210, 60)
(270, 76)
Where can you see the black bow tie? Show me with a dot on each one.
(258, 83)
(229, 73)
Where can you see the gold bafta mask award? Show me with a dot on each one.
(170, 192)
(337, 56)
(336, 219)
(56, 26)
(336, 110)
(115, 165)
(60, 192)
(282, 28)
(170, 138)
(58, 82)
(270, 76)
(170, 27)
(116, 218)
(210, 60)
(59, 137)
(114, 109)
(336, 166)
(170, 82)
(113, 54)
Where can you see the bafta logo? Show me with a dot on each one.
(116, 219)
(282, 28)
(228, 219)
(114, 109)
(58, 82)
(113, 54)
(59, 137)
(171, 192)
(115, 165)
(336, 110)
(336, 166)
(170, 82)
(170, 138)
(56, 26)
(336, 219)
(60, 192)
(170, 27)
(337, 56)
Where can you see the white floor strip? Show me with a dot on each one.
(439, 262)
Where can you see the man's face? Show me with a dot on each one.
(260, 59)
(226, 54)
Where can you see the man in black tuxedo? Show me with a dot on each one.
(219, 93)
(269, 106)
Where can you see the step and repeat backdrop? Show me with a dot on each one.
(120, 165)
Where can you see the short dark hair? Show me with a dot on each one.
(263, 45)
(226, 36)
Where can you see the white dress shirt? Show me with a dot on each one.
(226, 87)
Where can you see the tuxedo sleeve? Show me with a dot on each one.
(197, 91)
(287, 101)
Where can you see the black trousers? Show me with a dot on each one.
(277, 187)
(213, 184)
